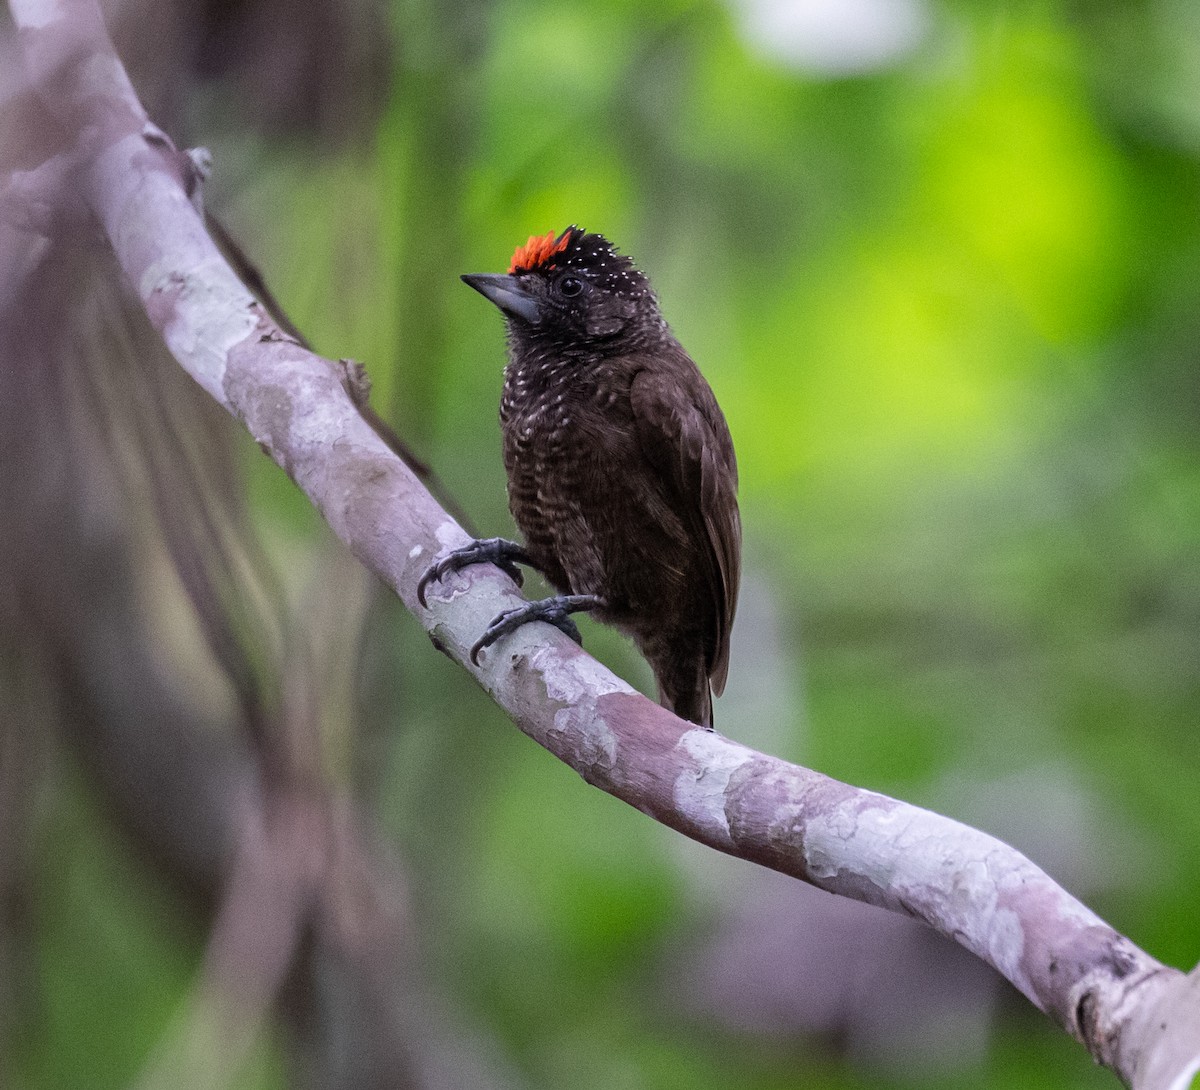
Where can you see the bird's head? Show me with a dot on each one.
(571, 290)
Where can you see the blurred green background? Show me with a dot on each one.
(939, 261)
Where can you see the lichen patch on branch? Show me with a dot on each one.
(700, 790)
(577, 678)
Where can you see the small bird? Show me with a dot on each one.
(621, 471)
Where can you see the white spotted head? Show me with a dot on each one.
(572, 292)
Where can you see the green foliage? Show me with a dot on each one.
(115, 955)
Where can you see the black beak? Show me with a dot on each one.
(508, 293)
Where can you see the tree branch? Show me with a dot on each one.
(1130, 1011)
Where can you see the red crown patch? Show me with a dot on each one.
(538, 250)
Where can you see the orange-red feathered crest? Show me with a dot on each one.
(539, 249)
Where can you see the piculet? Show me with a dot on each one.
(621, 471)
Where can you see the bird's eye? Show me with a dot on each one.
(570, 285)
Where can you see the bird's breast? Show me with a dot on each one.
(550, 405)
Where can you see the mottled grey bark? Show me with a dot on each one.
(1134, 1015)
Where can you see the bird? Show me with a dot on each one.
(621, 470)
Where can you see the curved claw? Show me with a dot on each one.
(493, 550)
(431, 573)
(437, 571)
(509, 567)
(555, 611)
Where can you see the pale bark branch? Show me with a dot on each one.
(1134, 1015)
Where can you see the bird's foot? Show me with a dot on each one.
(505, 554)
(555, 611)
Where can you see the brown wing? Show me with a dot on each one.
(683, 433)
